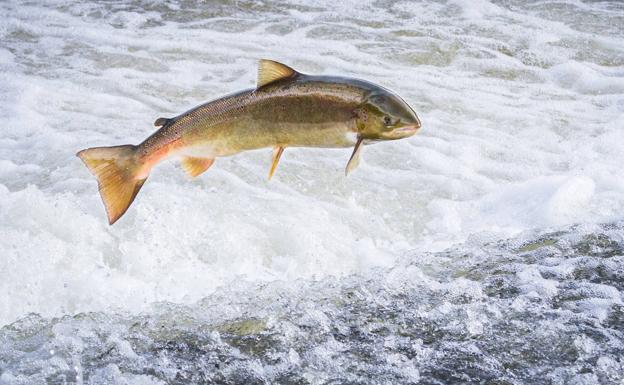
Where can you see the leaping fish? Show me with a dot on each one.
(286, 109)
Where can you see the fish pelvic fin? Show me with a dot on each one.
(117, 170)
(277, 153)
(354, 161)
(270, 71)
(196, 166)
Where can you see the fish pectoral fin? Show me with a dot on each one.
(195, 166)
(277, 153)
(161, 122)
(355, 157)
(270, 71)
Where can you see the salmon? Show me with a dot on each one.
(286, 109)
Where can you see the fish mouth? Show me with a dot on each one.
(416, 122)
(408, 129)
(402, 132)
(405, 131)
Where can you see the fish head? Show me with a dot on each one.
(385, 116)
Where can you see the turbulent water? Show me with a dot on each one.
(487, 249)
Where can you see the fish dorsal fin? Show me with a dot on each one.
(270, 71)
(161, 122)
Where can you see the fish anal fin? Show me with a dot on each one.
(270, 71)
(161, 122)
(195, 166)
(277, 153)
(354, 161)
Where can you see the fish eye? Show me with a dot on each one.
(387, 121)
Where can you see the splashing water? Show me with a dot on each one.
(471, 252)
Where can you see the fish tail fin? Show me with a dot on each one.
(119, 175)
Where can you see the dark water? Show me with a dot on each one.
(540, 309)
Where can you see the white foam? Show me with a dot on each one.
(587, 78)
(522, 120)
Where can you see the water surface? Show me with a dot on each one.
(486, 248)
